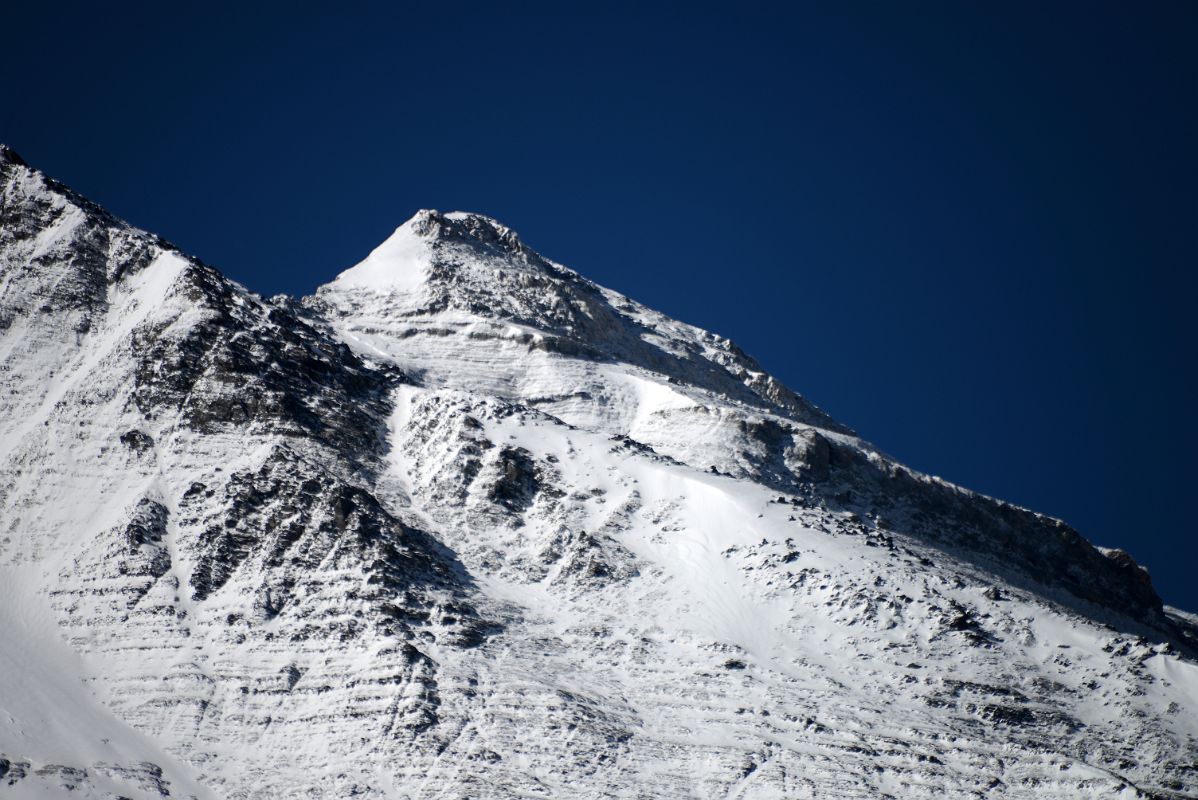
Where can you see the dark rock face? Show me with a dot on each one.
(137, 441)
(250, 364)
(10, 156)
(846, 477)
(121, 566)
(590, 559)
(11, 772)
(518, 481)
(814, 454)
(1044, 549)
(65, 280)
(291, 518)
(143, 536)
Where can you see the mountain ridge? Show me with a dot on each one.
(500, 531)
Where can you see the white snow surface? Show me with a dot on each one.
(587, 551)
(395, 265)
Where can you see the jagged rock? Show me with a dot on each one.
(518, 481)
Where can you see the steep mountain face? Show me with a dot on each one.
(465, 524)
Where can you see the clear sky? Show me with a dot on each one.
(968, 230)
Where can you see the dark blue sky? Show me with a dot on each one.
(968, 230)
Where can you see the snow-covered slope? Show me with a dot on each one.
(464, 524)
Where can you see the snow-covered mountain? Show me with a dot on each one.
(465, 524)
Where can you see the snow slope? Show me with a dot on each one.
(464, 524)
(49, 713)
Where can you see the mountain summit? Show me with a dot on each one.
(466, 524)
